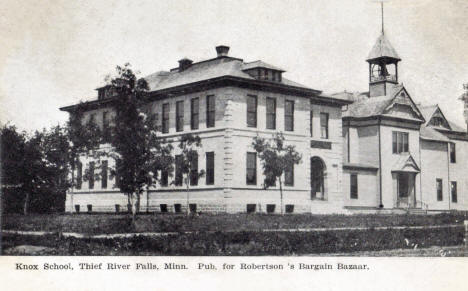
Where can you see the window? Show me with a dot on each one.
(289, 176)
(400, 142)
(117, 175)
(91, 176)
(353, 186)
(194, 108)
(92, 118)
(439, 189)
(179, 115)
(311, 121)
(193, 207)
(271, 208)
(453, 154)
(270, 113)
(104, 175)
(165, 118)
(105, 126)
(251, 208)
(437, 121)
(252, 111)
(164, 178)
(324, 125)
(317, 178)
(210, 168)
(178, 170)
(79, 175)
(194, 170)
(453, 190)
(251, 177)
(210, 111)
(289, 115)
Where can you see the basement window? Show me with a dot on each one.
(289, 208)
(90, 207)
(77, 208)
(193, 208)
(251, 208)
(163, 208)
(271, 208)
(177, 208)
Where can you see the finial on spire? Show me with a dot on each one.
(382, 12)
(381, 6)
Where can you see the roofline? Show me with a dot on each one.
(208, 60)
(433, 139)
(225, 81)
(451, 131)
(384, 57)
(264, 67)
(380, 116)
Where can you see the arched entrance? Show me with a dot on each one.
(317, 178)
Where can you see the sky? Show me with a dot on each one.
(54, 53)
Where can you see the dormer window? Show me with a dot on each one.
(262, 71)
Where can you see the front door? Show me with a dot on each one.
(406, 193)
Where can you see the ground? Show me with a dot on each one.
(122, 223)
(235, 234)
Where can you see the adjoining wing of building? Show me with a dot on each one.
(376, 151)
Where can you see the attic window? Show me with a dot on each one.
(437, 121)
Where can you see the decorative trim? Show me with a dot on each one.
(360, 167)
(321, 144)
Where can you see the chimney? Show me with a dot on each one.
(222, 50)
(184, 64)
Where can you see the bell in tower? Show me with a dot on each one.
(383, 67)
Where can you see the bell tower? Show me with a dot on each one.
(383, 65)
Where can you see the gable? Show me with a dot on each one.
(438, 120)
(406, 163)
(403, 106)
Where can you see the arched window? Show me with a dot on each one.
(317, 178)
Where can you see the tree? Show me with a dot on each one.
(13, 148)
(56, 152)
(277, 160)
(138, 152)
(187, 163)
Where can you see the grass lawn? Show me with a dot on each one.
(231, 234)
(121, 223)
(239, 243)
